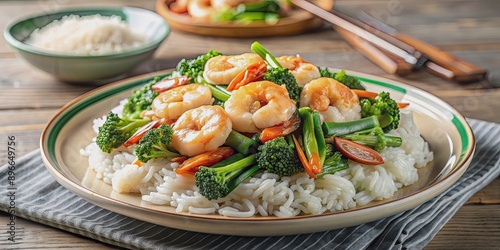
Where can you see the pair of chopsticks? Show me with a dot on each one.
(394, 52)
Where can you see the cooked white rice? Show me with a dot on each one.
(86, 35)
(267, 194)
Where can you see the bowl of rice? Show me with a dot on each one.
(87, 45)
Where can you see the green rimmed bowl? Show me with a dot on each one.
(71, 68)
(444, 128)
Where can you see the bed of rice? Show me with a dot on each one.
(86, 35)
(267, 194)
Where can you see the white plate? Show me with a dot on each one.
(445, 129)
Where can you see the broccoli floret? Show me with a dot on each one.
(116, 130)
(218, 182)
(374, 138)
(140, 100)
(194, 67)
(341, 76)
(384, 107)
(333, 163)
(282, 76)
(156, 144)
(278, 156)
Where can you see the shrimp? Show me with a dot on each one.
(200, 10)
(303, 71)
(220, 70)
(201, 129)
(170, 104)
(259, 105)
(333, 100)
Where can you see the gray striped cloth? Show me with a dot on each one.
(40, 198)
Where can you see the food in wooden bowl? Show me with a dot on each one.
(241, 18)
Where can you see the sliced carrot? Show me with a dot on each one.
(136, 137)
(137, 162)
(403, 105)
(207, 159)
(170, 83)
(315, 162)
(179, 159)
(303, 158)
(280, 130)
(364, 94)
(253, 72)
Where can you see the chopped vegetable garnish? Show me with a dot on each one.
(358, 152)
(170, 83)
(254, 72)
(207, 159)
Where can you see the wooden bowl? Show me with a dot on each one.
(297, 22)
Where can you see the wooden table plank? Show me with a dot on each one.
(488, 196)
(472, 227)
(30, 234)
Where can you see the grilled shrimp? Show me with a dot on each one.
(220, 70)
(332, 99)
(171, 104)
(259, 105)
(201, 129)
(303, 71)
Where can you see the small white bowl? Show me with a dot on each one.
(75, 68)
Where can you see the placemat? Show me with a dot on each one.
(40, 198)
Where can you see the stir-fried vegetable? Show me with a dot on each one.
(374, 138)
(140, 100)
(384, 107)
(156, 144)
(253, 72)
(364, 93)
(282, 76)
(313, 139)
(207, 159)
(280, 130)
(170, 83)
(193, 68)
(341, 76)
(218, 182)
(267, 11)
(344, 128)
(278, 156)
(358, 152)
(116, 130)
(333, 163)
(241, 143)
(303, 158)
(219, 93)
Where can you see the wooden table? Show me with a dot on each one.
(468, 29)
